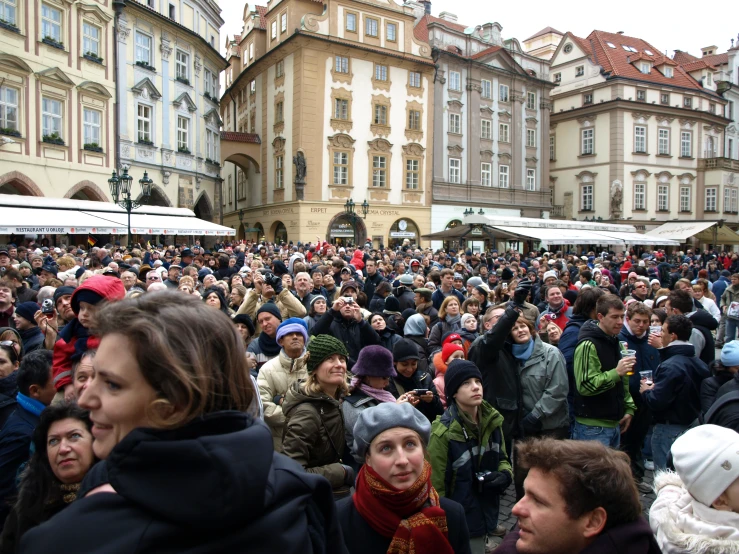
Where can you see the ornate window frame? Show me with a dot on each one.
(341, 125)
(341, 143)
(379, 129)
(380, 147)
(340, 76)
(279, 125)
(413, 152)
(415, 135)
(378, 83)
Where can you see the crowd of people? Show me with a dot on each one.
(315, 398)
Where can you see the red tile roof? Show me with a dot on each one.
(262, 11)
(696, 65)
(252, 138)
(544, 31)
(716, 59)
(421, 30)
(486, 52)
(619, 62)
(683, 57)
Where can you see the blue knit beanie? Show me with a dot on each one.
(292, 325)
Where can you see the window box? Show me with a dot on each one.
(212, 98)
(5, 24)
(710, 211)
(183, 80)
(7, 131)
(91, 56)
(183, 150)
(54, 138)
(145, 65)
(145, 142)
(53, 43)
(212, 162)
(662, 211)
(92, 147)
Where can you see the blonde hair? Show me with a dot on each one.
(313, 388)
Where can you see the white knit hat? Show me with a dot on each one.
(549, 274)
(465, 317)
(707, 460)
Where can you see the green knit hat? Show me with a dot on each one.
(321, 347)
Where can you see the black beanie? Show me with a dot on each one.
(272, 308)
(457, 373)
(507, 274)
(405, 350)
(392, 304)
(244, 319)
(279, 268)
(62, 291)
(407, 313)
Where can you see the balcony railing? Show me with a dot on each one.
(511, 197)
(718, 163)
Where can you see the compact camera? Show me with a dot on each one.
(271, 279)
(47, 307)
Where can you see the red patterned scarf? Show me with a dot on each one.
(413, 518)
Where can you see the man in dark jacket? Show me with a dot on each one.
(404, 292)
(446, 288)
(674, 396)
(680, 302)
(35, 392)
(372, 279)
(636, 334)
(410, 381)
(728, 414)
(344, 321)
(569, 509)
(25, 322)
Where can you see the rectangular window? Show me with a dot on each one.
(668, 72)
(51, 111)
(90, 39)
(734, 200)
(685, 199)
(279, 112)
(709, 79)
(687, 102)
(182, 62)
(486, 129)
(341, 168)
(414, 79)
(712, 108)
(727, 199)
(8, 11)
(183, 131)
(711, 199)
(380, 72)
(686, 145)
(252, 87)
(645, 68)
(51, 23)
(663, 198)
(9, 108)
(341, 109)
(531, 138)
(530, 179)
(171, 12)
(640, 196)
(664, 142)
(279, 172)
(342, 64)
(380, 114)
(208, 82)
(503, 93)
(552, 149)
(531, 100)
(587, 98)
(370, 27)
(280, 68)
(392, 32)
(455, 123)
(91, 120)
(455, 80)
(503, 133)
(641, 95)
(210, 145)
(487, 89)
(273, 30)
(251, 50)
(664, 98)
(455, 170)
(486, 174)
(414, 120)
(143, 123)
(283, 23)
(640, 139)
(730, 149)
(586, 198)
(143, 48)
(587, 141)
(579, 71)
(351, 22)
(557, 77)
(411, 174)
(503, 174)
(379, 171)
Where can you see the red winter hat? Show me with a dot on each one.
(450, 338)
(450, 349)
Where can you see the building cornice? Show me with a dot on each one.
(523, 75)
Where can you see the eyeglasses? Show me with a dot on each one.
(153, 278)
(9, 345)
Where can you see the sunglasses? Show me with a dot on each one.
(9, 345)
(153, 278)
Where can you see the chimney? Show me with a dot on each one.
(447, 16)
(620, 33)
(417, 7)
(427, 6)
(709, 50)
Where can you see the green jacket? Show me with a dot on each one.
(453, 473)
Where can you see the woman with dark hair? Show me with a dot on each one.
(62, 456)
(214, 298)
(11, 335)
(388, 337)
(318, 307)
(184, 467)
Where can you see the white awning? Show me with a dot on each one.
(557, 236)
(22, 221)
(680, 230)
(637, 239)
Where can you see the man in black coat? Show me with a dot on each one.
(372, 278)
(680, 302)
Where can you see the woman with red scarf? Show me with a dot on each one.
(395, 508)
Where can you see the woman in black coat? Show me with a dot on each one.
(185, 467)
(395, 506)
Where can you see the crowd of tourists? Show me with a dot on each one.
(255, 397)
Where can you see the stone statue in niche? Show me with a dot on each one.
(301, 169)
(617, 196)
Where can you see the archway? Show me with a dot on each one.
(260, 231)
(158, 198)
(401, 230)
(279, 232)
(86, 190)
(345, 229)
(453, 223)
(240, 233)
(15, 182)
(203, 208)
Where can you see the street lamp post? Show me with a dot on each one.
(120, 188)
(349, 210)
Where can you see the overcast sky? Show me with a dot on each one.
(678, 24)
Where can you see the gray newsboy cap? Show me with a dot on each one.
(387, 415)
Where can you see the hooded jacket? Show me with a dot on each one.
(65, 349)
(214, 485)
(683, 525)
(354, 334)
(314, 433)
(274, 380)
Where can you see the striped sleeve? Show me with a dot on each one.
(590, 378)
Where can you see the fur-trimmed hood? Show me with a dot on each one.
(681, 524)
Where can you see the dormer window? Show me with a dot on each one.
(709, 79)
(557, 77)
(579, 71)
(645, 68)
(668, 72)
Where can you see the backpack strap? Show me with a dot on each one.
(720, 403)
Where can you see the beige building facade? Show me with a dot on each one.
(342, 94)
(57, 99)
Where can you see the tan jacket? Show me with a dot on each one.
(275, 378)
(287, 303)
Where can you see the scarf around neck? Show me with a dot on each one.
(268, 345)
(523, 351)
(8, 383)
(31, 405)
(412, 518)
(381, 395)
(454, 321)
